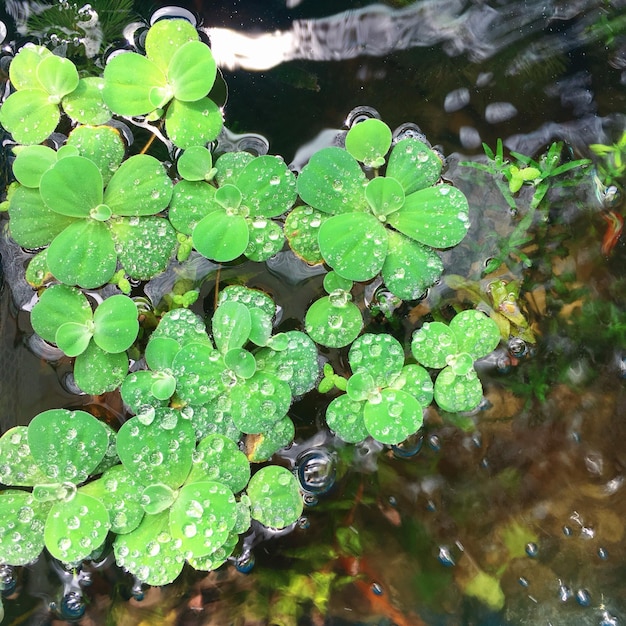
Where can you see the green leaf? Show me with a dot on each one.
(297, 365)
(120, 494)
(241, 362)
(302, 226)
(191, 71)
(18, 467)
(57, 305)
(97, 371)
(457, 393)
(116, 324)
(263, 446)
(229, 165)
(193, 123)
(191, 201)
(332, 182)
(101, 144)
(183, 326)
(414, 379)
(381, 356)
(67, 445)
(384, 195)
(228, 197)
(166, 37)
(259, 401)
(333, 326)
(361, 386)
(394, 418)
(414, 165)
(32, 223)
(58, 76)
(72, 186)
(231, 326)
(476, 333)
(21, 528)
(344, 417)
(275, 498)
(128, 80)
(73, 338)
(354, 245)
(221, 237)
(137, 390)
(437, 216)
(149, 552)
(85, 104)
(139, 187)
(83, 254)
(37, 272)
(29, 116)
(218, 458)
(369, 141)
(268, 186)
(31, 163)
(160, 352)
(156, 498)
(23, 67)
(199, 371)
(433, 344)
(410, 268)
(76, 528)
(195, 163)
(155, 454)
(265, 239)
(202, 517)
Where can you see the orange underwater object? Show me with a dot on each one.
(613, 232)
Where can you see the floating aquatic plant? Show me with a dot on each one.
(389, 224)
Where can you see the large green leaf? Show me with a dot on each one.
(140, 186)
(275, 498)
(301, 229)
(57, 75)
(116, 324)
(354, 245)
(128, 80)
(67, 445)
(369, 141)
(85, 104)
(381, 356)
(268, 186)
(149, 552)
(23, 68)
(332, 182)
(97, 371)
(220, 236)
(83, 254)
(72, 186)
(433, 344)
(153, 453)
(384, 195)
(73, 338)
(344, 417)
(437, 216)
(193, 123)
(410, 268)
(394, 418)
(76, 528)
(29, 116)
(191, 71)
(414, 165)
(31, 162)
(333, 326)
(191, 201)
(458, 393)
(57, 305)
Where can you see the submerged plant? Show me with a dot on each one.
(454, 347)
(389, 224)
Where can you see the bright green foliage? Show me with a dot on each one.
(174, 78)
(196, 163)
(387, 225)
(57, 452)
(334, 320)
(471, 335)
(275, 499)
(235, 218)
(384, 398)
(63, 316)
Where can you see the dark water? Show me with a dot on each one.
(522, 500)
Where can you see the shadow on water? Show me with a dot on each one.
(520, 505)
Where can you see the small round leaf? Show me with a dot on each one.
(275, 497)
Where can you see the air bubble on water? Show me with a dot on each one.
(583, 597)
(565, 593)
(434, 442)
(245, 562)
(445, 556)
(72, 606)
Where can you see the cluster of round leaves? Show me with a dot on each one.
(171, 499)
(387, 224)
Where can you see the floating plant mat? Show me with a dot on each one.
(377, 385)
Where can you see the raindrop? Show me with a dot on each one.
(316, 471)
(72, 606)
(517, 347)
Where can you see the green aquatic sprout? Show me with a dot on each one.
(334, 321)
(172, 80)
(58, 451)
(237, 217)
(389, 224)
(98, 339)
(453, 348)
(384, 398)
(88, 227)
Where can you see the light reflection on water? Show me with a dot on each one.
(533, 498)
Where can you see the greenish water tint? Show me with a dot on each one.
(511, 515)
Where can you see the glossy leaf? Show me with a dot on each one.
(414, 379)
(31, 163)
(384, 195)
(196, 163)
(73, 338)
(191, 201)
(97, 371)
(263, 446)
(23, 67)
(166, 37)
(369, 141)
(193, 123)
(275, 498)
(381, 356)
(29, 116)
(301, 229)
(138, 387)
(344, 417)
(85, 104)
(221, 237)
(265, 239)
(333, 326)
(458, 393)
(57, 75)
(18, 466)
(231, 326)
(394, 418)
(414, 165)
(476, 334)
(116, 324)
(191, 71)
(433, 344)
